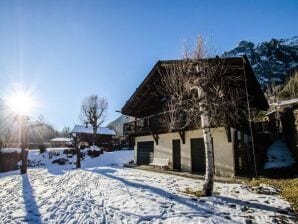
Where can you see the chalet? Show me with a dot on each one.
(104, 136)
(184, 149)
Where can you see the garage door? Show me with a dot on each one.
(144, 149)
(197, 155)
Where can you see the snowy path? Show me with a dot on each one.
(279, 155)
(120, 195)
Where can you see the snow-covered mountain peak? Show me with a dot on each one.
(271, 60)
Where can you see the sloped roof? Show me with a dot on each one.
(60, 140)
(89, 130)
(145, 100)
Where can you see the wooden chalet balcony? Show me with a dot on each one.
(154, 124)
(147, 125)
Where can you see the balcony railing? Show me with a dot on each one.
(155, 124)
(145, 125)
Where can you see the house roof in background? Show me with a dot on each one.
(60, 140)
(89, 130)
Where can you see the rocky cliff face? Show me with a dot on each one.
(272, 60)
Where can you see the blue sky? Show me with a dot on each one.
(64, 51)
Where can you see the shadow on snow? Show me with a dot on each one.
(32, 212)
(201, 210)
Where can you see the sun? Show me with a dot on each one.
(20, 103)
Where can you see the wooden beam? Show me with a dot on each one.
(182, 135)
(155, 137)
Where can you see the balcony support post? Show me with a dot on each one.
(155, 137)
(135, 124)
(182, 135)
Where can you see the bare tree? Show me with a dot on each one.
(200, 92)
(65, 131)
(93, 112)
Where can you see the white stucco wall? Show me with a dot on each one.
(223, 153)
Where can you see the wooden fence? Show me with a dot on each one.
(8, 161)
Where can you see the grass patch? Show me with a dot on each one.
(198, 193)
(192, 192)
(288, 187)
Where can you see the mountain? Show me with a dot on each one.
(117, 124)
(272, 60)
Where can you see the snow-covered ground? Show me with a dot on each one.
(98, 193)
(279, 155)
(106, 159)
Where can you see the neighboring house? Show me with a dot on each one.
(104, 136)
(61, 142)
(278, 108)
(233, 154)
(291, 104)
(286, 112)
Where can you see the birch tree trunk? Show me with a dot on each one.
(208, 182)
(209, 152)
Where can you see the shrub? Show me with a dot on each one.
(61, 161)
(93, 153)
(42, 148)
(83, 145)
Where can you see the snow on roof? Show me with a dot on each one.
(89, 130)
(60, 140)
(10, 150)
(56, 149)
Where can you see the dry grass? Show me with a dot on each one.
(288, 187)
(198, 193)
(192, 192)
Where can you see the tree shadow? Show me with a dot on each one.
(200, 209)
(253, 205)
(32, 212)
(60, 169)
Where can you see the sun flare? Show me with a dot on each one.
(20, 103)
